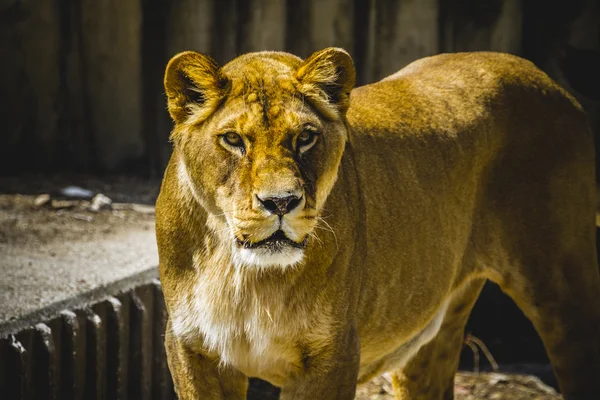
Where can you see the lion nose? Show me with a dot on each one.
(280, 205)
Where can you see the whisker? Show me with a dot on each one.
(323, 211)
(316, 237)
(330, 230)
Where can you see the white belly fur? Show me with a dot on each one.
(397, 359)
(258, 339)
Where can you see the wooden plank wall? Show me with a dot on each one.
(82, 79)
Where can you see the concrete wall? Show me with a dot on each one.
(82, 80)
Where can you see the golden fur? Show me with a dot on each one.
(409, 193)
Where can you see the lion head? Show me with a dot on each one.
(259, 142)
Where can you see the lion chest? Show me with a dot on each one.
(251, 337)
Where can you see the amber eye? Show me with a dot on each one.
(233, 139)
(306, 139)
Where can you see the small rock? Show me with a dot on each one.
(41, 200)
(99, 202)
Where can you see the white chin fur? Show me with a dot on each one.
(287, 257)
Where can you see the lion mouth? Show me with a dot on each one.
(276, 241)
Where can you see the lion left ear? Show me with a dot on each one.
(195, 85)
(328, 77)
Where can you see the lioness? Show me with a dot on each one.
(315, 236)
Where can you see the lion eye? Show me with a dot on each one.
(233, 139)
(306, 139)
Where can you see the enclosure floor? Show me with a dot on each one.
(471, 386)
(54, 257)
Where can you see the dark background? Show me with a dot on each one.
(81, 80)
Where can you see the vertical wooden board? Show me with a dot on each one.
(81, 343)
(297, 40)
(16, 125)
(140, 354)
(585, 29)
(161, 128)
(44, 362)
(41, 52)
(507, 30)
(225, 43)
(404, 31)
(137, 316)
(4, 367)
(68, 364)
(146, 296)
(475, 26)
(313, 25)
(30, 81)
(363, 34)
(76, 140)
(466, 24)
(331, 24)
(14, 362)
(578, 71)
(190, 26)
(111, 43)
(116, 350)
(24, 351)
(41, 42)
(162, 384)
(125, 300)
(262, 25)
(55, 325)
(155, 55)
(95, 382)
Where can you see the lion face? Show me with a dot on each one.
(260, 142)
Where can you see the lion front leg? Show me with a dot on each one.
(198, 377)
(429, 375)
(331, 374)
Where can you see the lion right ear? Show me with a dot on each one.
(327, 77)
(195, 86)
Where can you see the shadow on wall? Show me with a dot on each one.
(82, 80)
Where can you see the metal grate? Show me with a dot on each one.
(112, 349)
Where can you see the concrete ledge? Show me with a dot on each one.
(77, 301)
(54, 259)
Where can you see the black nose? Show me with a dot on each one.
(280, 205)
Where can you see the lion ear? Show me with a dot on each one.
(328, 76)
(195, 85)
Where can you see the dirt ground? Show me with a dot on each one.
(27, 214)
(66, 217)
(471, 386)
